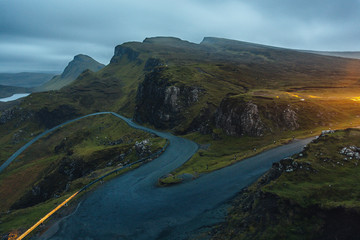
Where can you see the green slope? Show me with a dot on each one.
(256, 94)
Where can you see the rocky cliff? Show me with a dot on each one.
(239, 118)
(161, 102)
(123, 51)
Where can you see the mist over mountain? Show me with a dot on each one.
(24, 79)
(7, 91)
(355, 55)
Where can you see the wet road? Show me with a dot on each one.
(132, 207)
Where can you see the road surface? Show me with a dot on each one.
(131, 206)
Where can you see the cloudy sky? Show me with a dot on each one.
(44, 35)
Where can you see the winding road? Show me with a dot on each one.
(131, 206)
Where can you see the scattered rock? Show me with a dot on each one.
(351, 152)
(143, 148)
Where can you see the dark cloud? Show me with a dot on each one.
(43, 35)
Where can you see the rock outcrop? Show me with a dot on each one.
(290, 119)
(238, 118)
(15, 114)
(123, 51)
(161, 102)
(153, 63)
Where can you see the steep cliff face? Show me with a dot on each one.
(161, 102)
(283, 116)
(123, 51)
(239, 118)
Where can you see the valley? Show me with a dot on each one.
(220, 103)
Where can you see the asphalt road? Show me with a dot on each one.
(131, 206)
(28, 144)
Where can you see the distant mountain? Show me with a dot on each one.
(24, 79)
(79, 64)
(355, 55)
(7, 91)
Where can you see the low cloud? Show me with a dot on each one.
(42, 35)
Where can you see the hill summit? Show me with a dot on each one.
(79, 64)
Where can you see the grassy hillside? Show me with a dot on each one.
(63, 162)
(219, 91)
(314, 195)
(234, 98)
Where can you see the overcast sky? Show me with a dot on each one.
(44, 35)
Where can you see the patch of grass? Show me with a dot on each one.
(25, 218)
(333, 181)
(216, 154)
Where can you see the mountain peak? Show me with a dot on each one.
(162, 39)
(167, 41)
(79, 64)
(83, 57)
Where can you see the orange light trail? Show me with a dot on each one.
(46, 217)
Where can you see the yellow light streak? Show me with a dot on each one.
(356, 99)
(46, 217)
(293, 95)
(312, 96)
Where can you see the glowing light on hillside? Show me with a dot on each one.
(293, 95)
(312, 96)
(356, 99)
